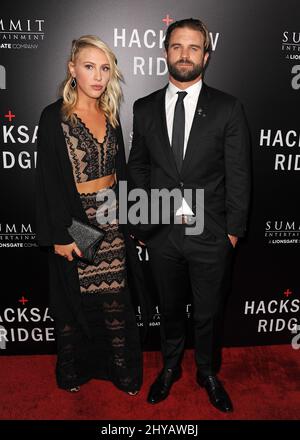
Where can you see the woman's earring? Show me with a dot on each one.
(73, 83)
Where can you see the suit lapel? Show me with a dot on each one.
(198, 124)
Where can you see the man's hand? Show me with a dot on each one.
(66, 250)
(233, 239)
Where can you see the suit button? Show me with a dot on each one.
(181, 184)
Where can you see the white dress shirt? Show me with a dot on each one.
(190, 103)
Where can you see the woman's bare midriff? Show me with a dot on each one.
(95, 185)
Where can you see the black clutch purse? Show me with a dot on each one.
(87, 237)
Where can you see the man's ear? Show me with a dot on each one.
(206, 56)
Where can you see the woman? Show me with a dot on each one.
(80, 154)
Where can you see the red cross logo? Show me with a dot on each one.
(23, 300)
(167, 20)
(287, 293)
(10, 115)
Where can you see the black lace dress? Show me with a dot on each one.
(113, 353)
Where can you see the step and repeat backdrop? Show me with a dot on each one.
(255, 56)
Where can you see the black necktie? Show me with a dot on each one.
(178, 130)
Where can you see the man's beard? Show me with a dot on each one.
(187, 74)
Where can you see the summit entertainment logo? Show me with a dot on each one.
(290, 45)
(16, 236)
(282, 232)
(21, 33)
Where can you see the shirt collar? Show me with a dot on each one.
(193, 91)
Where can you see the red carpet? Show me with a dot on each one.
(263, 383)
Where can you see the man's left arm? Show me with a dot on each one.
(237, 173)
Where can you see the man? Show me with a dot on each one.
(191, 136)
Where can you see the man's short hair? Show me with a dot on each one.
(191, 23)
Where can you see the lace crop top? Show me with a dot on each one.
(90, 159)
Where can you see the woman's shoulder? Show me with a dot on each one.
(51, 110)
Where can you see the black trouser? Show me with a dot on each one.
(206, 260)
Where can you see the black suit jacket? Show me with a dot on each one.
(217, 159)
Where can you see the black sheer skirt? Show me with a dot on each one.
(113, 352)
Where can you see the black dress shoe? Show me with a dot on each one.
(74, 389)
(160, 389)
(133, 393)
(216, 392)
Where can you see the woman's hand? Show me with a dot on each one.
(66, 250)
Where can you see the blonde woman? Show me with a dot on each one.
(81, 154)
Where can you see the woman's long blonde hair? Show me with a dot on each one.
(110, 99)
